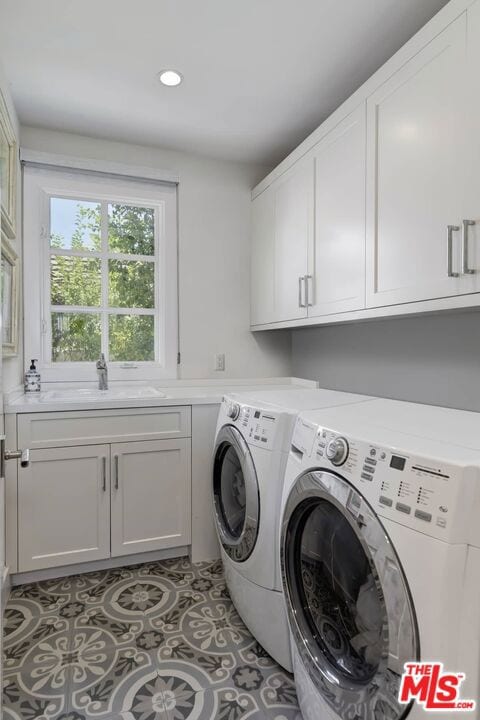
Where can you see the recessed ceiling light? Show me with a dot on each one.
(171, 78)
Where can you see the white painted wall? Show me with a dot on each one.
(214, 229)
(13, 367)
(431, 359)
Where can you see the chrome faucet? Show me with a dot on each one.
(102, 372)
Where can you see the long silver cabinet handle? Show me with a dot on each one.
(308, 286)
(116, 471)
(465, 268)
(104, 474)
(450, 230)
(301, 281)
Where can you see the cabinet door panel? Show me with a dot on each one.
(282, 229)
(471, 210)
(262, 259)
(64, 507)
(293, 233)
(415, 174)
(338, 260)
(151, 496)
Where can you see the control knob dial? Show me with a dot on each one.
(233, 410)
(337, 451)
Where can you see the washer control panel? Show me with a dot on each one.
(337, 451)
(431, 496)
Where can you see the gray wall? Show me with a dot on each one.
(428, 359)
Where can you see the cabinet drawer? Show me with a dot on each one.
(92, 427)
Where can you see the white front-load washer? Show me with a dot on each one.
(251, 448)
(380, 555)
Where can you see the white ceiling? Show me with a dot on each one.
(259, 74)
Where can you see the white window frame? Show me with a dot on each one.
(40, 185)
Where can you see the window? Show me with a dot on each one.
(102, 281)
(104, 253)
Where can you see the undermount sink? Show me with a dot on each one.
(124, 392)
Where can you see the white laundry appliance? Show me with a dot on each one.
(380, 555)
(251, 449)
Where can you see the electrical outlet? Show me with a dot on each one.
(219, 362)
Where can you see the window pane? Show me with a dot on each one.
(75, 280)
(74, 224)
(131, 229)
(131, 284)
(131, 338)
(76, 337)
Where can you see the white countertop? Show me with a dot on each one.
(63, 397)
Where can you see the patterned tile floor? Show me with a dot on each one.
(160, 641)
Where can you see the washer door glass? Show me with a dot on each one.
(236, 495)
(341, 600)
(349, 605)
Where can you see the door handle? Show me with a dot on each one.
(309, 286)
(115, 460)
(450, 230)
(22, 455)
(301, 282)
(104, 474)
(465, 268)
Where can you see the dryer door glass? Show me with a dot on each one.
(236, 495)
(232, 495)
(349, 605)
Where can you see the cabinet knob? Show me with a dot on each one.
(22, 455)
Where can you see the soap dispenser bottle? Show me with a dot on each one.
(32, 378)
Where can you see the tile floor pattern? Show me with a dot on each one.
(159, 641)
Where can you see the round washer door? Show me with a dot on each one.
(348, 601)
(236, 494)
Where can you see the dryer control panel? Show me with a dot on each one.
(257, 426)
(429, 495)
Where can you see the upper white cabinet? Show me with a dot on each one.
(471, 137)
(293, 235)
(416, 171)
(282, 219)
(308, 239)
(337, 267)
(396, 193)
(262, 258)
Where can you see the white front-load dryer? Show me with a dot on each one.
(251, 448)
(380, 556)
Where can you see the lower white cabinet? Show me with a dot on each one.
(150, 496)
(83, 503)
(64, 507)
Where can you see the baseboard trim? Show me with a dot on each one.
(108, 563)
